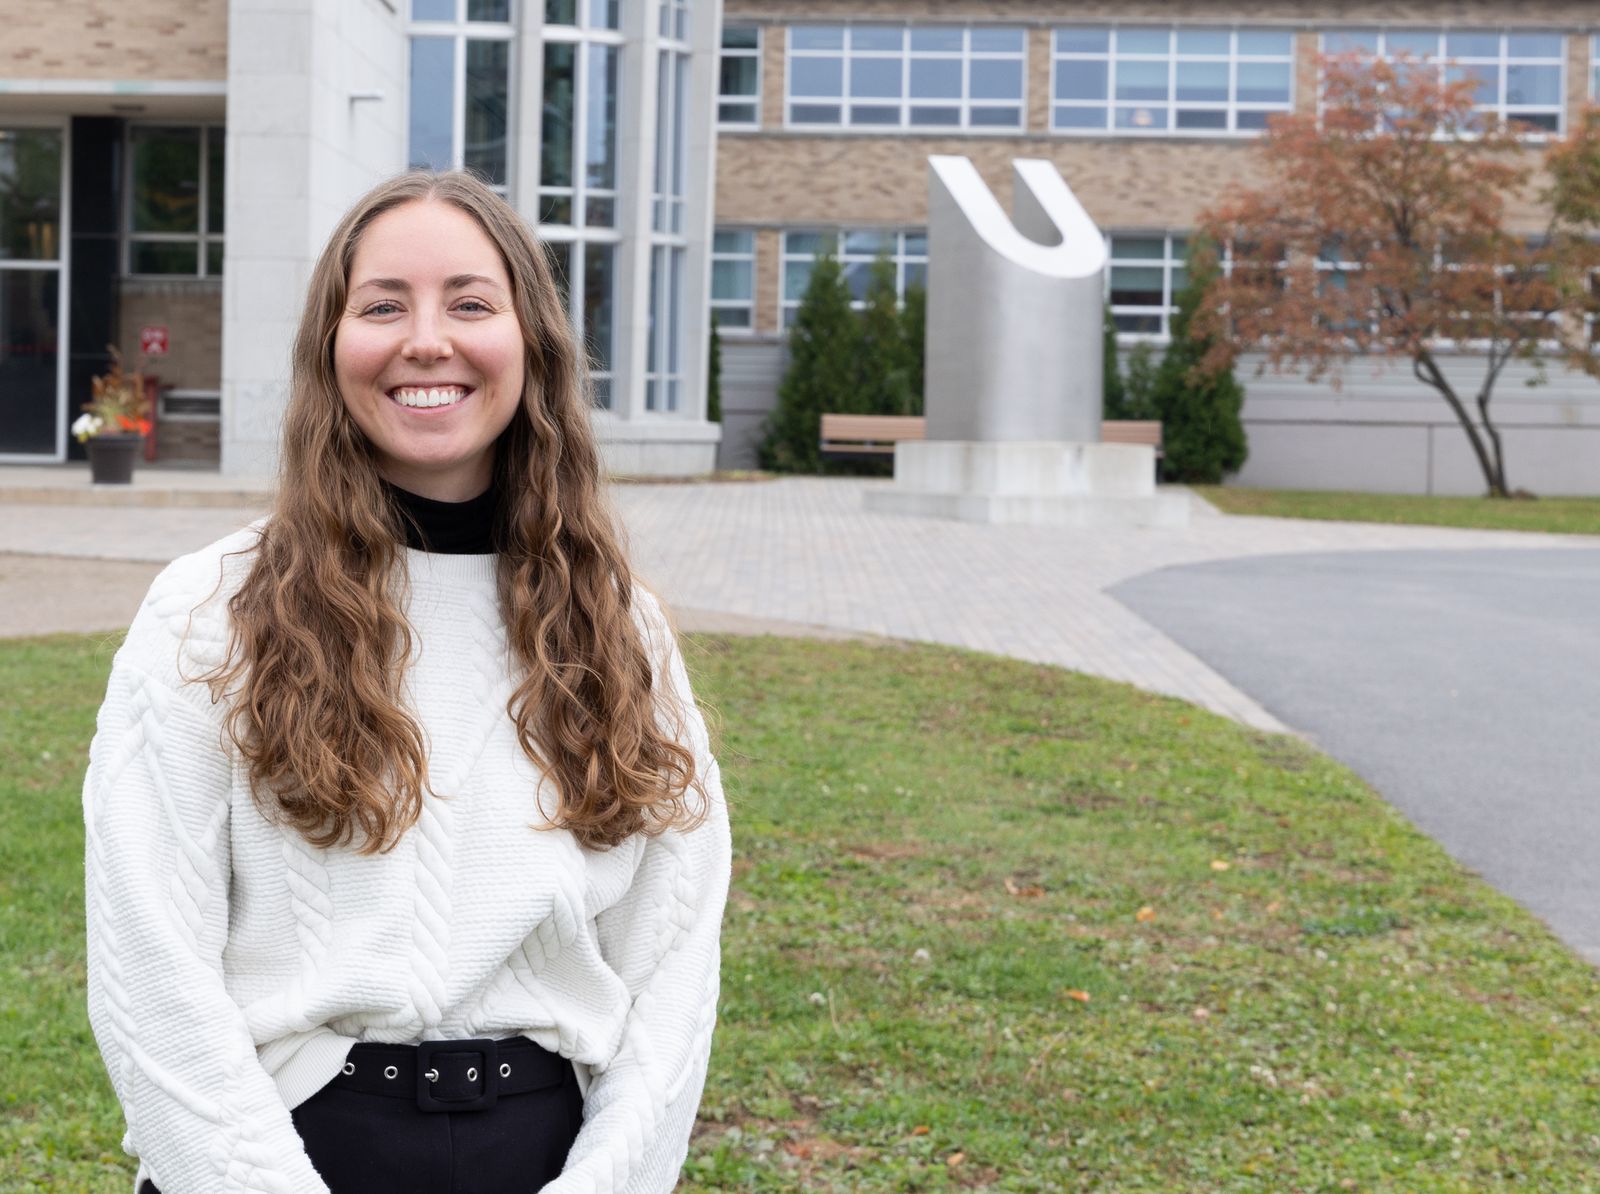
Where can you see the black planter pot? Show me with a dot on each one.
(111, 457)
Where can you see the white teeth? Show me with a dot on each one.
(411, 396)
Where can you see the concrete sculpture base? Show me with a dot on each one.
(1044, 484)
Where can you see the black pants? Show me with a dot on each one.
(367, 1144)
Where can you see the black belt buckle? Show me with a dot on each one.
(457, 1075)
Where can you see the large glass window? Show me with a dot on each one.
(30, 290)
(855, 250)
(578, 171)
(460, 87)
(175, 200)
(1133, 80)
(739, 90)
(733, 278)
(889, 76)
(1145, 274)
(663, 387)
(1517, 76)
(1594, 68)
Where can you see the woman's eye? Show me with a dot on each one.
(383, 308)
(472, 306)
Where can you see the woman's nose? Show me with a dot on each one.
(428, 341)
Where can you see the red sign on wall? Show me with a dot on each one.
(153, 341)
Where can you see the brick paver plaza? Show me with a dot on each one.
(803, 551)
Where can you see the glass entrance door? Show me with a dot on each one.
(32, 364)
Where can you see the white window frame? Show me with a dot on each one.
(735, 257)
(666, 354)
(1232, 107)
(461, 31)
(963, 104)
(1502, 64)
(1170, 263)
(754, 100)
(906, 262)
(203, 238)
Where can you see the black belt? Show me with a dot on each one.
(452, 1075)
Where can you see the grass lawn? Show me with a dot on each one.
(994, 926)
(1568, 516)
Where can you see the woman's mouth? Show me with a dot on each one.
(424, 397)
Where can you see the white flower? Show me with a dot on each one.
(87, 425)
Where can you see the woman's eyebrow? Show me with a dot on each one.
(454, 282)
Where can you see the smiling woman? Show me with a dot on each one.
(406, 848)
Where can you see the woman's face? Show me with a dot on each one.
(428, 353)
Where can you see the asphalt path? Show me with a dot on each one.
(1463, 685)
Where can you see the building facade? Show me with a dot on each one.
(168, 176)
(829, 110)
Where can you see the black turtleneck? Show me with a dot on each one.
(449, 528)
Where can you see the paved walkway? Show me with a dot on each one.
(792, 555)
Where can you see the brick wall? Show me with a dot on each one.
(114, 39)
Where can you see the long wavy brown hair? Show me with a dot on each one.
(319, 640)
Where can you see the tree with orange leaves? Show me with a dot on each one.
(1382, 230)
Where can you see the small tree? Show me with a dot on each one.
(1381, 229)
(885, 363)
(914, 330)
(1201, 435)
(714, 375)
(821, 375)
(1113, 394)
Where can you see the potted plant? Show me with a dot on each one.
(113, 424)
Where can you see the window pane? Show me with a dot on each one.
(1007, 117)
(163, 257)
(814, 113)
(1485, 78)
(1419, 43)
(816, 76)
(598, 275)
(732, 317)
(433, 90)
(1080, 118)
(433, 10)
(30, 194)
(1143, 41)
(488, 82)
(874, 115)
(997, 41)
(555, 149)
(808, 244)
(1083, 41)
(599, 212)
(1534, 45)
(214, 258)
(1136, 286)
(29, 343)
(738, 76)
(936, 78)
(1345, 41)
(736, 113)
(1545, 122)
(1264, 82)
(916, 244)
(948, 40)
(216, 193)
(600, 112)
(996, 79)
(1252, 121)
(868, 242)
(1086, 80)
(916, 275)
(796, 275)
(1206, 81)
(1139, 248)
(1207, 118)
(1145, 324)
(931, 117)
(875, 78)
(1141, 118)
(1472, 45)
(732, 241)
(1138, 80)
(1262, 42)
(604, 14)
(858, 277)
(817, 37)
(561, 12)
(731, 280)
(876, 37)
(166, 179)
(1203, 41)
(489, 10)
(740, 37)
(1533, 85)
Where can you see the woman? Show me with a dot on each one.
(406, 850)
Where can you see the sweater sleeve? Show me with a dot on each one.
(201, 1112)
(663, 939)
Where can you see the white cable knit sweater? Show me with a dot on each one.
(231, 965)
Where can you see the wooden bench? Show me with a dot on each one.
(876, 435)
